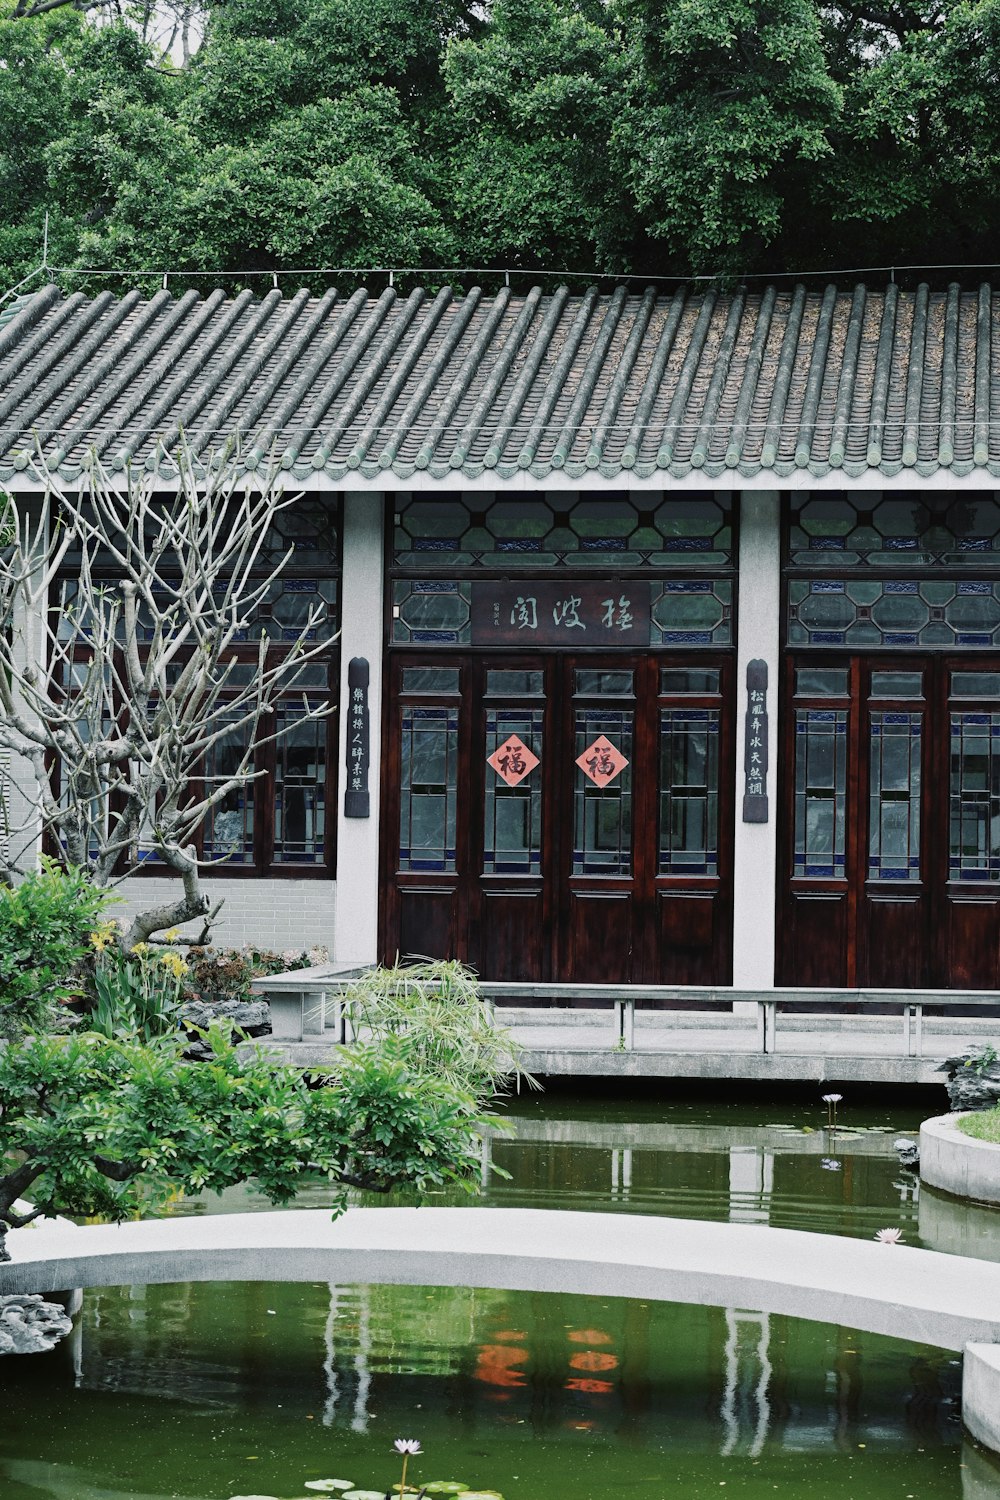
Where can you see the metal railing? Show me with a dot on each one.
(309, 1003)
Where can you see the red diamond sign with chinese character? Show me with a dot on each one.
(513, 761)
(602, 762)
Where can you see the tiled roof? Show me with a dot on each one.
(460, 384)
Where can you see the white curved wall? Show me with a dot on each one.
(958, 1163)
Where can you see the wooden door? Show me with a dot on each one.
(891, 824)
(605, 771)
(560, 817)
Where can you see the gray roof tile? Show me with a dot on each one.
(458, 383)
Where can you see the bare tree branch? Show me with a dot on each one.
(123, 618)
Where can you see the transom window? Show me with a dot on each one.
(563, 530)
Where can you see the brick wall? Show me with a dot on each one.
(268, 913)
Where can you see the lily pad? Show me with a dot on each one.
(364, 1495)
(446, 1487)
(328, 1486)
(481, 1495)
(253, 1497)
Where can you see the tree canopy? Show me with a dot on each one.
(657, 136)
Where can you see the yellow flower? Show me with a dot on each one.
(141, 948)
(174, 963)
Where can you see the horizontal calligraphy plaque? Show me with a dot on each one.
(575, 613)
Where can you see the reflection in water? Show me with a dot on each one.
(207, 1391)
(745, 1405)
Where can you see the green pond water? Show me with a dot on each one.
(210, 1391)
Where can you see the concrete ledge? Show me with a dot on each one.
(814, 1067)
(981, 1394)
(958, 1163)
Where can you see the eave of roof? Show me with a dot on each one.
(882, 388)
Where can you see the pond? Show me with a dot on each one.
(209, 1391)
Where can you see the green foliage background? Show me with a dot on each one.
(657, 136)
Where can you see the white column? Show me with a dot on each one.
(356, 926)
(755, 851)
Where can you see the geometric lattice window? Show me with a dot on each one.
(974, 839)
(475, 531)
(689, 791)
(693, 612)
(914, 530)
(431, 612)
(934, 614)
(820, 792)
(894, 797)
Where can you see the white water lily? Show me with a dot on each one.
(889, 1236)
(407, 1447)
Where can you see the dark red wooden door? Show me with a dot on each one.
(891, 823)
(560, 817)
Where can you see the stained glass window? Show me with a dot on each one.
(689, 791)
(429, 780)
(512, 836)
(300, 789)
(228, 828)
(602, 814)
(894, 796)
(974, 839)
(820, 792)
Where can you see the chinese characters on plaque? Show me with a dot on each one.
(601, 762)
(577, 612)
(357, 802)
(755, 745)
(513, 761)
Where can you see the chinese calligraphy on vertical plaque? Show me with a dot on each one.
(578, 612)
(755, 745)
(357, 802)
(513, 761)
(602, 761)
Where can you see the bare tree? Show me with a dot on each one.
(120, 612)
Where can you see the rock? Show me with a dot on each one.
(30, 1325)
(251, 1016)
(908, 1151)
(973, 1079)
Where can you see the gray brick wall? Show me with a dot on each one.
(268, 913)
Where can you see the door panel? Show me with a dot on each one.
(560, 816)
(892, 820)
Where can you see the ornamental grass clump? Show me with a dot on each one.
(440, 1022)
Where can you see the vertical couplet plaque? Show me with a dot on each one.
(357, 801)
(755, 745)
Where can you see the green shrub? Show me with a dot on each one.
(46, 927)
